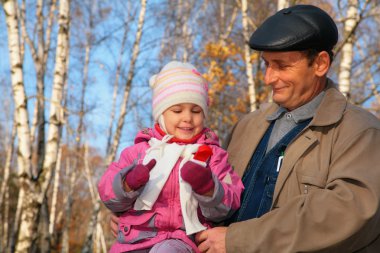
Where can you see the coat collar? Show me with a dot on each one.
(331, 108)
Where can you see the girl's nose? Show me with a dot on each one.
(187, 116)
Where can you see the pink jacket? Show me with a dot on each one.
(143, 229)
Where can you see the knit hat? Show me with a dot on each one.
(178, 83)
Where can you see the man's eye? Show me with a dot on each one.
(283, 66)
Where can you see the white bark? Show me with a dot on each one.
(123, 109)
(281, 4)
(53, 208)
(7, 165)
(347, 50)
(100, 237)
(6, 221)
(227, 31)
(56, 109)
(22, 123)
(35, 197)
(115, 89)
(186, 31)
(4, 191)
(67, 207)
(19, 96)
(92, 226)
(247, 57)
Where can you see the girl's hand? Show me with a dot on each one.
(138, 176)
(199, 177)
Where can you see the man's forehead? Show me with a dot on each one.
(287, 56)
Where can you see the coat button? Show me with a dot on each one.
(125, 229)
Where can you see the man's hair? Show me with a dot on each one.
(311, 54)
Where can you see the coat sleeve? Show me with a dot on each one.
(343, 216)
(227, 192)
(110, 186)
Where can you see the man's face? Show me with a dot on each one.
(294, 82)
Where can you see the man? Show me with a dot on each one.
(309, 161)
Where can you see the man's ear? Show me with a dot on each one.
(322, 63)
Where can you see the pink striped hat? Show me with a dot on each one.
(178, 83)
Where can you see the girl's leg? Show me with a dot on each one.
(171, 246)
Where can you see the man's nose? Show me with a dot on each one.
(270, 75)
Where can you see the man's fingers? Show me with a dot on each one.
(201, 236)
(204, 246)
(114, 220)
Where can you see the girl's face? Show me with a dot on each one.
(184, 121)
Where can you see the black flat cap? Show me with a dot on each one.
(296, 28)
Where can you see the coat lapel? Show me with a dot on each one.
(246, 138)
(292, 154)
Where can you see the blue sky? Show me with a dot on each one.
(101, 76)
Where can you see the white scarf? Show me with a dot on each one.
(166, 156)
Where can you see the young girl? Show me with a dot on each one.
(175, 180)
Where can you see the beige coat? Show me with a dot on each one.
(327, 194)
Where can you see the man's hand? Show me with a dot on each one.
(114, 224)
(212, 240)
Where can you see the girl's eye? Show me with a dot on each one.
(176, 111)
(196, 111)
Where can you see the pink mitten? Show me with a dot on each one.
(199, 177)
(139, 175)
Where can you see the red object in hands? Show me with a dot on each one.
(139, 175)
(199, 177)
(203, 154)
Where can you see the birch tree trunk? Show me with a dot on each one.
(67, 207)
(22, 123)
(88, 246)
(225, 32)
(53, 208)
(100, 240)
(347, 54)
(6, 223)
(39, 54)
(115, 90)
(32, 204)
(123, 110)
(56, 109)
(7, 165)
(247, 57)
(186, 31)
(4, 191)
(281, 4)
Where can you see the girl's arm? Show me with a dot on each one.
(111, 186)
(228, 188)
